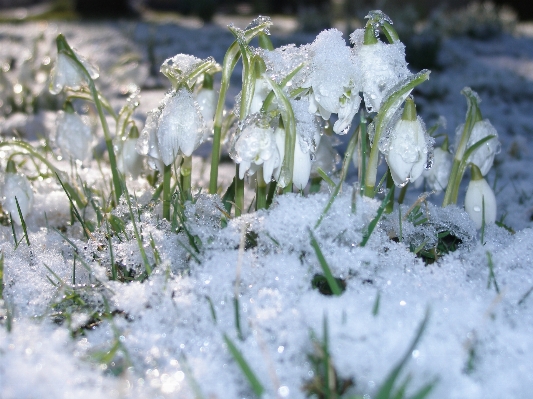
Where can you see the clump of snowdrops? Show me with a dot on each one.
(293, 101)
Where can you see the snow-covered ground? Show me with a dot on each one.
(167, 336)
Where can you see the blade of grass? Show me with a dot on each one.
(385, 391)
(23, 222)
(254, 382)
(325, 267)
(375, 221)
(75, 209)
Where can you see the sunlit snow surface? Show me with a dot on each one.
(166, 324)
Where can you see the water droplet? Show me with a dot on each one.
(477, 209)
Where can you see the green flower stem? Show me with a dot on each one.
(362, 149)
(239, 193)
(403, 191)
(230, 60)
(390, 186)
(64, 47)
(185, 176)
(473, 115)
(167, 193)
(389, 107)
(261, 191)
(289, 123)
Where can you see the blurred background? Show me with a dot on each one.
(310, 13)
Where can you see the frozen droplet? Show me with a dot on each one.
(477, 209)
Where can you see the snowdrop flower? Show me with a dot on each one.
(480, 197)
(407, 150)
(207, 102)
(482, 157)
(307, 141)
(147, 143)
(437, 177)
(382, 66)
(17, 186)
(129, 161)
(256, 146)
(73, 135)
(181, 126)
(333, 79)
(67, 73)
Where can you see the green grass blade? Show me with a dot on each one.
(23, 222)
(74, 208)
(255, 384)
(375, 221)
(325, 267)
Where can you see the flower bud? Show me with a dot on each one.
(181, 126)
(407, 151)
(129, 161)
(67, 73)
(73, 136)
(480, 200)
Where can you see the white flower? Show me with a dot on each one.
(73, 136)
(207, 101)
(66, 73)
(483, 157)
(382, 66)
(479, 197)
(333, 79)
(407, 151)
(16, 186)
(129, 161)
(302, 167)
(147, 142)
(437, 177)
(181, 126)
(256, 146)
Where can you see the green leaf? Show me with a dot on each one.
(255, 384)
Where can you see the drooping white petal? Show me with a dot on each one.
(349, 106)
(207, 101)
(129, 161)
(147, 142)
(73, 136)
(17, 186)
(181, 127)
(407, 152)
(479, 195)
(255, 146)
(66, 73)
(382, 66)
(333, 71)
(302, 167)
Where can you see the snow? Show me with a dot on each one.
(478, 342)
